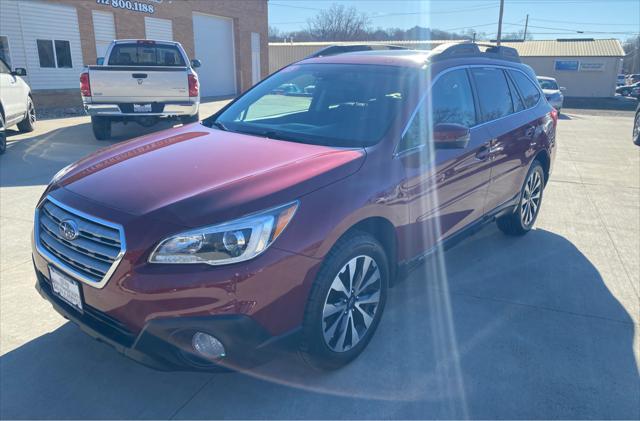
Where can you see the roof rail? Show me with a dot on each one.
(333, 50)
(472, 49)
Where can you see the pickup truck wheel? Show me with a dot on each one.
(3, 136)
(346, 302)
(187, 119)
(101, 127)
(29, 123)
(521, 221)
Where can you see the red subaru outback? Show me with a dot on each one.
(293, 209)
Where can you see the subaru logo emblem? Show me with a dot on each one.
(68, 229)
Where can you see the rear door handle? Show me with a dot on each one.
(483, 153)
(139, 75)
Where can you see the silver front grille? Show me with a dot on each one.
(92, 255)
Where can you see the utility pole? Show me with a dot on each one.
(500, 22)
(526, 24)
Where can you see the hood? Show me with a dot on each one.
(192, 171)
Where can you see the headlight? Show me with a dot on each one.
(230, 242)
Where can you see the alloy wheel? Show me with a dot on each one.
(31, 113)
(531, 197)
(351, 303)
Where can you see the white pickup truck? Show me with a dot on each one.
(141, 81)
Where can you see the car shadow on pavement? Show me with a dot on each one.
(497, 327)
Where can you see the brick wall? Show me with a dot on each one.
(248, 16)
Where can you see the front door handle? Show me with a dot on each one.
(484, 152)
(530, 131)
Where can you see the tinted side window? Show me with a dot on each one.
(529, 91)
(4, 68)
(450, 101)
(518, 105)
(493, 93)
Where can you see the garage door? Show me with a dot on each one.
(214, 47)
(158, 29)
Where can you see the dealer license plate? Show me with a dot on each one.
(65, 288)
(141, 108)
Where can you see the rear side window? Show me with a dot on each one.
(493, 93)
(143, 54)
(518, 105)
(530, 93)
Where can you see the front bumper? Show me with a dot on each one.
(165, 343)
(162, 110)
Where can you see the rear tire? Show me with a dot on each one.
(522, 219)
(3, 136)
(101, 127)
(29, 123)
(636, 129)
(346, 302)
(188, 119)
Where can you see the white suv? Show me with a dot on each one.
(16, 105)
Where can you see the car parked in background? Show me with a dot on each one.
(636, 126)
(141, 81)
(632, 78)
(627, 90)
(201, 245)
(620, 81)
(16, 103)
(552, 91)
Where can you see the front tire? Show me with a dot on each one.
(29, 123)
(3, 136)
(190, 118)
(101, 127)
(521, 221)
(346, 302)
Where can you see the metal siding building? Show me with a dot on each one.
(587, 67)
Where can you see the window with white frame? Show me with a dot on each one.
(54, 53)
(4, 50)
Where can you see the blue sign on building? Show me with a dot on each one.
(570, 65)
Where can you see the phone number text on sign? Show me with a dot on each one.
(128, 5)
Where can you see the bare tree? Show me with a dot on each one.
(631, 63)
(339, 23)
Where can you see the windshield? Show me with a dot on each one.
(145, 54)
(548, 84)
(330, 104)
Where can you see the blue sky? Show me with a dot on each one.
(548, 19)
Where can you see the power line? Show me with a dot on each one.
(587, 23)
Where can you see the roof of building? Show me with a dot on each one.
(569, 48)
(586, 47)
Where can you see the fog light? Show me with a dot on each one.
(207, 346)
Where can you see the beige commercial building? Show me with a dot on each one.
(55, 39)
(585, 67)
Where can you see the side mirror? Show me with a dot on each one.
(451, 136)
(195, 63)
(100, 61)
(562, 89)
(19, 71)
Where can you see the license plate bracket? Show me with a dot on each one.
(65, 288)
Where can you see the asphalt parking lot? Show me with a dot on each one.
(543, 326)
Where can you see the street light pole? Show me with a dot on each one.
(526, 24)
(500, 22)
